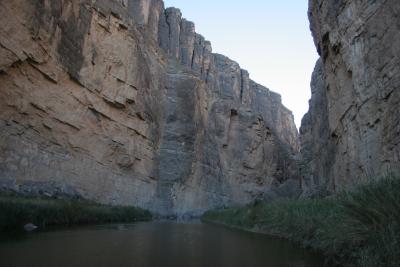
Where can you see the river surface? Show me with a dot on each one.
(152, 244)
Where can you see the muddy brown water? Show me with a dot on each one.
(152, 244)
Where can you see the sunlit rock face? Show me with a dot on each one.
(123, 102)
(352, 130)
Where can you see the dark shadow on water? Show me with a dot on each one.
(152, 244)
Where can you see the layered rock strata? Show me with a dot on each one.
(122, 102)
(352, 131)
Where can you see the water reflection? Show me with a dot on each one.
(153, 244)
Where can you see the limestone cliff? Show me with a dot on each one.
(353, 127)
(121, 101)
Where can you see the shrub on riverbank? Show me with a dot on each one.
(361, 228)
(17, 211)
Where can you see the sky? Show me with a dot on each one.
(271, 39)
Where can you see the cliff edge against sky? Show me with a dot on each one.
(122, 102)
(352, 131)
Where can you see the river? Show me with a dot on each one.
(152, 244)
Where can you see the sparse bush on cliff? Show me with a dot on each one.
(17, 211)
(361, 228)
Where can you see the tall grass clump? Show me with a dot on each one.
(16, 211)
(360, 228)
(372, 222)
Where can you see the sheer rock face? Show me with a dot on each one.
(123, 102)
(354, 110)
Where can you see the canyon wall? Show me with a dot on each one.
(122, 102)
(352, 130)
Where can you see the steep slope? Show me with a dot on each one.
(123, 102)
(353, 127)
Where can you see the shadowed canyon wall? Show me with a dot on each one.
(352, 130)
(123, 102)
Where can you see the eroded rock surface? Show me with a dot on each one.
(123, 102)
(353, 127)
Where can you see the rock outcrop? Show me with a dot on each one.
(352, 130)
(122, 102)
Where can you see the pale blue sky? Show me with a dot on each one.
(271, 39)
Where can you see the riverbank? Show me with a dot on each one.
(16, 211)
(361, 228)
